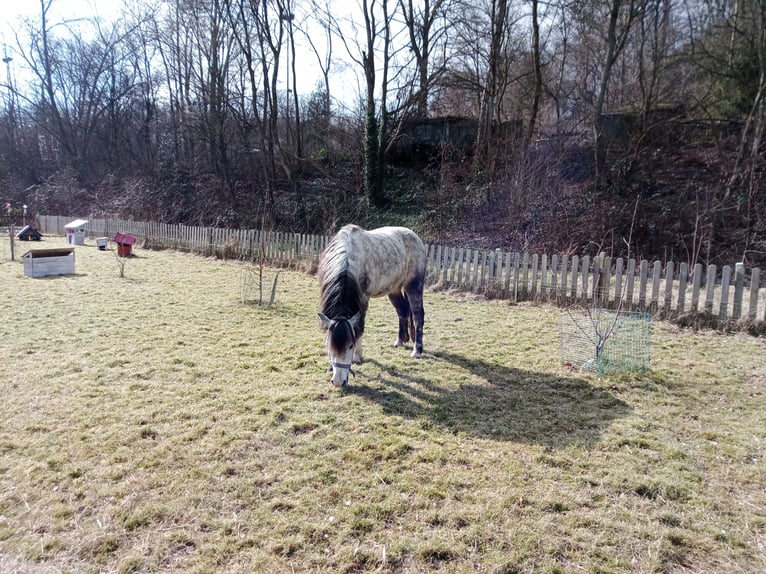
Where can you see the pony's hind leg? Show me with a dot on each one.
(415, 298)
(402, 306)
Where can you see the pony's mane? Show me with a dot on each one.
(341, 294)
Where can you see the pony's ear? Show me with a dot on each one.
(327, 323)
(354, 321)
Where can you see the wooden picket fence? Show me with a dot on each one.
(731, 294)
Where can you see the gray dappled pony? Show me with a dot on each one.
(357, 265)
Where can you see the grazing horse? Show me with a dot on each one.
(357, 265)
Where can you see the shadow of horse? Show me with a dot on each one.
(499, 403)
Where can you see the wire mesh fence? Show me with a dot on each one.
(605, 341)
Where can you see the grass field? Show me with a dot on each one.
(153, 423)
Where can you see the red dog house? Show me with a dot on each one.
(124, 244)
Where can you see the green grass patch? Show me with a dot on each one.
(154, 423)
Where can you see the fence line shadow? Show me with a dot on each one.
(504, 404)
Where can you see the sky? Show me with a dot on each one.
(12, 10)
(308, 73)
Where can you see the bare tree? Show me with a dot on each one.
(424, 31)
(84, 86)
(538, 73)
(494, 77)
(621, 15)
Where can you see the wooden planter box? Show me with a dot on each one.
(43, 262)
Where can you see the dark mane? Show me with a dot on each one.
(341, 295)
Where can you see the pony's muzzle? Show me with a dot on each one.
(340, 373)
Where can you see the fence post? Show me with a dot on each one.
(739, 288)
(596, 292)
(563, 285)
(533, 289)
(605, 282)
(668, 288)
(453, 265)
(755, 284)
(656, 273)
(710, 288)
(630, 281)
(449, 257)
(697, 281)
(683, 272)
(723, 308)
(644, 270)
(585, 272)
(553, 286)
(618, 268)
(525, 276)
(573, 282)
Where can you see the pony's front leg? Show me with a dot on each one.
(357, 359)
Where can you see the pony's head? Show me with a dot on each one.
(340, 340)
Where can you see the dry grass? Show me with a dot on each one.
(154, 424)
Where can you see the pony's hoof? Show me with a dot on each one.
(416, 354)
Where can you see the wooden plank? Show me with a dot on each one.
(474, 269)
(453, 267)
(449, 278)
(543, 275)
(533, 276)
(444, 269)
(430, 263)
(668, 299)
(478, 278)
(710, 288)
(605, 280)
(596, 283)
(723, 308)
(437, 263)
(629, 284)
(755, 286)
(553, 285)
(739, 290)
(642, 287)
(656, 273)
(507, 274)
(618, 294)
(696, 282)
(524, 292)
(682, 275)
(564, 272)
(585, 272)
(573, 282)
(480, 283)
(491, 275)
(516, 272)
